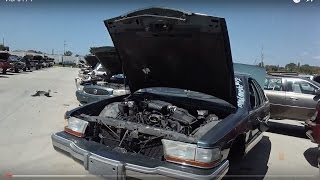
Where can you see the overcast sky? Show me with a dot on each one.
(287, 31)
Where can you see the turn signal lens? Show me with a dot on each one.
(190, 154)
(76, 127)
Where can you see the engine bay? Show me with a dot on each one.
(159, 114)
(137, 125)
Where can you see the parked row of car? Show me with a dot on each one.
(16, 64)
(182, 109)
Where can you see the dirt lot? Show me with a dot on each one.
(27, 122)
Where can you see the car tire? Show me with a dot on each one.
(24, 69)
(16, 70)
(4, 71)
(237, 150)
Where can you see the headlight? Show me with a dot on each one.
(190, 154)
(76, 127)
(78, 83)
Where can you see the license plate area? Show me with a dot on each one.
(105, 168)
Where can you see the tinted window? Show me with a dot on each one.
(262, 96)
(274, 84)
(254, 96)
(300, 86)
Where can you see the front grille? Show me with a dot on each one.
(151, 149)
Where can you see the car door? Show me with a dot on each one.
(258, 112)
(264, 111)
(274, 89)
(299, 96)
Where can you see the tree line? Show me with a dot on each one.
(292, 67)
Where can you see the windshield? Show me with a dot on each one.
(13, 58)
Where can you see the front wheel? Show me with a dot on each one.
(237, 150)
(16, 70)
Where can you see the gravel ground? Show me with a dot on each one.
(27, 122)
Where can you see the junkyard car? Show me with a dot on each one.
(4, 62)
(17, 65)
(112, 83)
(173, 124)
(92, 77)
(91, 62)
(108, 88)
(50, 62)
(27, 59)
(38, 59)
(291, 97)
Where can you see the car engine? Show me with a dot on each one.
(159, 114)
(138, 125)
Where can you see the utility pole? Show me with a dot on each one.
(52, 52)
(262, 57)
(3, 41)
(64, 49)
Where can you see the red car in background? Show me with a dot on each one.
(4, 63)
(313, 127)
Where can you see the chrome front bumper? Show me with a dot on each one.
(99, 160)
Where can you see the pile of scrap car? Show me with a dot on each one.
(172, 105)
(16, 63)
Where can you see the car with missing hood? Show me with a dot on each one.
(173, 124)
(112, 83)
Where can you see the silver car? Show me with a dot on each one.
(291, 97)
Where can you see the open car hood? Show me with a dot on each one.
(91, 60)
(109, 59)
(161, 47)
